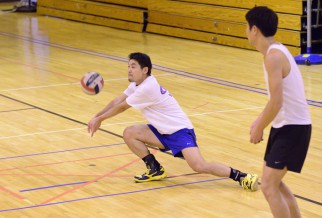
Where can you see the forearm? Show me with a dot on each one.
(106, 108)
(269, 113)
(112, 104)
(111, 112)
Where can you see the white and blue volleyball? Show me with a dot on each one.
(92, 83)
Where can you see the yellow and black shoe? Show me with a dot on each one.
(151, 175)
(250, 182)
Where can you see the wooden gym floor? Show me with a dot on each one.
(51, 167)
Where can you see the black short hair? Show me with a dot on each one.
(264, 18)
(143, 60)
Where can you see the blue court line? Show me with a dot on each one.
(60, 151)
(77, 183)
(52, 186)
(158, 67)
(111, 195)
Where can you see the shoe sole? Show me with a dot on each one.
(255, 186)
(154, 178)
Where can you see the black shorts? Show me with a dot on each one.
(287, 147)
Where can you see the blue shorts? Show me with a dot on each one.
(176, 142)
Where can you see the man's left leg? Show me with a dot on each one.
(136, 137)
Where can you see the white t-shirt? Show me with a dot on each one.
(157, 105)
(294, 108)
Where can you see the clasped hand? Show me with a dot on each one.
(256, 134)
(93, 125)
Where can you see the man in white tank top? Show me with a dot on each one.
(286, 109)
(169, 128)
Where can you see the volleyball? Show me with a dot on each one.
(92, 83)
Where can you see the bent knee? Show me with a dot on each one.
(198, 167)
(128, 132)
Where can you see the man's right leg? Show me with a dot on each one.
(291, 201)
(136, 137)
(195, 160)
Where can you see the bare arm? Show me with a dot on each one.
(116, 106)
(114, 110)
(274, 62)
(112, 103)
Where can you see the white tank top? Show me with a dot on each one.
(294, 108)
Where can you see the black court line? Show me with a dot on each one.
(71, 119)
(308, 200)
(59, 115)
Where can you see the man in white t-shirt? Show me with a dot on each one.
(169, 128)
(286, 109)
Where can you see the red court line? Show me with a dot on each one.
(46, 174)
(61, 162)
(201, 105)
(12, 193)
(37, 68)
(90, 182)
(92, 175)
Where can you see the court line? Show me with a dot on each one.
(16, 195)
(99, 128)
(225, 111)
(90, 182)
(60, 151)
(65, 117)
(158, 67)
(61, 74)
(60, 115)
(126, 193)
(80, 122)
(112, 57)
(120, 194)
(76, 183)
(52, 186)
(68, 161)
(47, 174)
(36, 67)
(312, 201)
(111, 195)
(74, 175)
(121, 123)
(67, 84)
(120, 59)
(309, 200)
(22, 109)
(66, 130)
